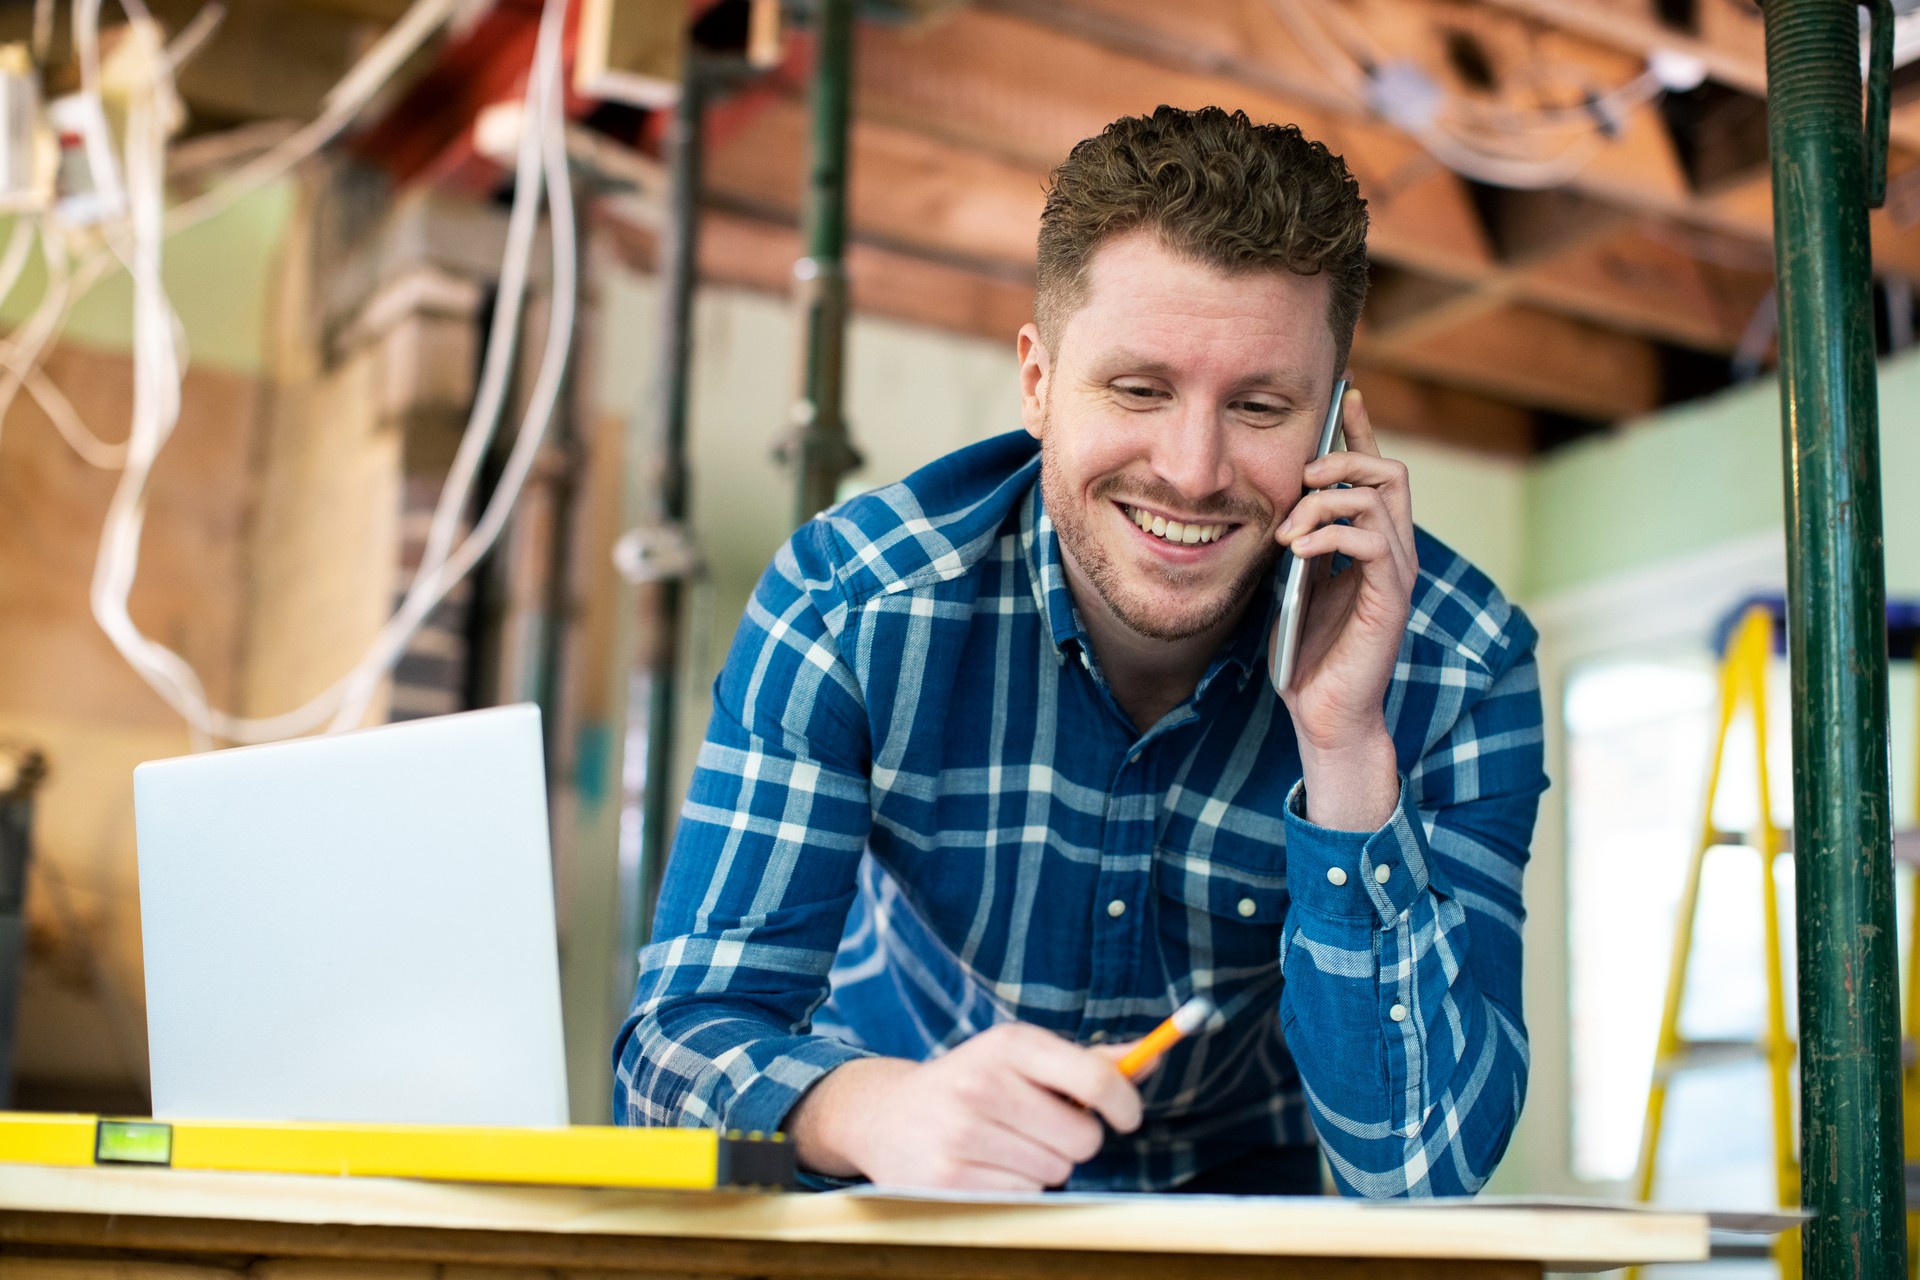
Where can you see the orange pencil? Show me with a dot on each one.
(1186, 1020)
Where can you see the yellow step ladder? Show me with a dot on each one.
(1743, 677)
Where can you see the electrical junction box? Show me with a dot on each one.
(20, 185)
(86, 179)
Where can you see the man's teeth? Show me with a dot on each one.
(1174, 531)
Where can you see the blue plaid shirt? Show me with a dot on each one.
(919, 812)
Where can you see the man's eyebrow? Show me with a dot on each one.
(1279, 380)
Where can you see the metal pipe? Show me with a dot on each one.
(820, 446)
(1849, 1028)
(22, 769)
(657, 555)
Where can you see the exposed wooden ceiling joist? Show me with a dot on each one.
(921, 193)
(1490, 303)
(1726, 35)
(1247, 43)
(1244, 42)
(1028, 93)
(1521, 353)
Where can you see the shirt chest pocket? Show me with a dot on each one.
(1224, 916)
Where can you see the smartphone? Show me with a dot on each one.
(1285, 650)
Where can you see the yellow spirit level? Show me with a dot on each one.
(591, 1156)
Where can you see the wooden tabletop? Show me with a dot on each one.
(150, 1214)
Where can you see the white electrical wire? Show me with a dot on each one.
(547, 117)
(49, 315)
(24, 368)
(1490, 142)
(542, 162)
(344, 102)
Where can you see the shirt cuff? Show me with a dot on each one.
(1356, 874)
(766, 1100)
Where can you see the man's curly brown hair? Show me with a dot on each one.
(1217, 188)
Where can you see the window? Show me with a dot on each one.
(1639, 734)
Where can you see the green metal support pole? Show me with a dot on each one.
(1850, 1129)
(820, 447)
(655, 509)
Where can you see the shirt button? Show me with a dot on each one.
(1398, 1013)
(1336, 875)
(1246, 907)
(1116, 908)
(1382, 873)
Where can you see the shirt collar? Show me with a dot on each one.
(1051, 595)
(1245, 651)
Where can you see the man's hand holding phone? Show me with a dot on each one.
(1354, 622)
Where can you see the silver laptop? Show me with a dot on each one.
(357, 927)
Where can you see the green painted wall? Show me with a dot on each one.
(1701, 474)
(219, 275)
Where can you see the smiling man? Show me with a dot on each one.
(995, 780)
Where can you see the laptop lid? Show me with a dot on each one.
(355, 927)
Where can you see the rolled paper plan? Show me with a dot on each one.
(1186, 1020)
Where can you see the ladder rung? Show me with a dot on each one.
(1694, 1054)
(1722, 1246)
(1750, 840)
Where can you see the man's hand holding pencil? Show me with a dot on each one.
(1015, 1108)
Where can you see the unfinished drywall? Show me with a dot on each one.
(1702, 474)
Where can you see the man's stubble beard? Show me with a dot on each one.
(1078, 541)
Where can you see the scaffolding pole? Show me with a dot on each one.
(818, 446)
(1848, 990)
(657, 554)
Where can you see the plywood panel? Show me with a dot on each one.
(66, 689)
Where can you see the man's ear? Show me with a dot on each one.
(1036, 366)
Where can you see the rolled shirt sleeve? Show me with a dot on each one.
(1401, 953)
(762, 874)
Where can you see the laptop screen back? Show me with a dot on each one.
(357, 927)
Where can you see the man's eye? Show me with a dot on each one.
(1261, 408)
(1138, 392)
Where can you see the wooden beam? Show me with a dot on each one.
(1533, 357)
(1727, 36)
(631, 53)
(1242, 42)
(1028, 92)
(1247, 42)
(1645, 279)
(738, 248)
(265, 60)
(905, 188)
(1446, 415)
(1896, 247)
(1403, 307)
(1564, 252)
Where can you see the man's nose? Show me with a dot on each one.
(1191, 452)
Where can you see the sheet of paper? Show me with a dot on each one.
(1746, 1221)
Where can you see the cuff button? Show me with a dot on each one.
(1336, 875)
(1382, 873)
